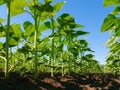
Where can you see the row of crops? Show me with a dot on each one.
(64, 50)
(112, 24)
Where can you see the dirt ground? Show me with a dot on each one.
(68, 82)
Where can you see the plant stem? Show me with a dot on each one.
(69, 46)
(7, 39)
(35, 42)
(52, 54)
(62, 64)
(35, 46)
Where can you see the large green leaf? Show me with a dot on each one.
(45, 26)
(58, 6)
(111, 40)
(29, 28)
(1, 45)
(111, 2)
(69, 32)
(13, 41)
(74, 25)
(4, 1)
(116, 11)
(37, 7)
(2, 20)
(115, 47)
(48, 1)
(108, 23)
(117, 32)
(16, 30)
(78, 33)
(48, 8)
(65, 19)
(116, 61)
(17, 7)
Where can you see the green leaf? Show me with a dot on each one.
(111, 40)
(2, 31)
(74, 25)
(69, 32)
(45, 26)
(65, 19)
(4, 1)
(78, 33)
(17, 7)
(116, 11)
(58, 6)
(26, 24)
(79, 26)
(48, 1)
(47, 7)
(38, 7)
(2, 20)
(117, 32)
(115, 47)
(28, 27)
(111, 2)
(31, 37)
(116, 61)
(13, 41)
(17, 30)
(1, 45)
(108, 23)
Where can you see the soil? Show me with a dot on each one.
(68, 82)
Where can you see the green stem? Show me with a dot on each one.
(35, 46)
(69, 46)
(11, 55)
(35, 42)
(7, 40)
(62, 64)
(61, 55)
(52, 54)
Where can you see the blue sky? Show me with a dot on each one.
(89, 13)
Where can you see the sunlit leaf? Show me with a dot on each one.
(58, 6)
(1, 45)
(45, 26)
(111, 2)
(78, 33)
(117, 32)
(48, 1)
(116, 11)
(17, 7)
(28, 27)
(108, 23)
(2, 20)
(4, 1)
(13, 41)
(65, 19)
(17, 30)
(47, 7)
(111, 40)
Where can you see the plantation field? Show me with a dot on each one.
(96, 81)
(49, 50)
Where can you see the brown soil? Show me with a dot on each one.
(68, 82)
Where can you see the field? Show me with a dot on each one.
(44, 81)
(49, 50)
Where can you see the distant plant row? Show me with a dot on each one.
(63, 51)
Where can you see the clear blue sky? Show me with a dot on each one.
(89, 13)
